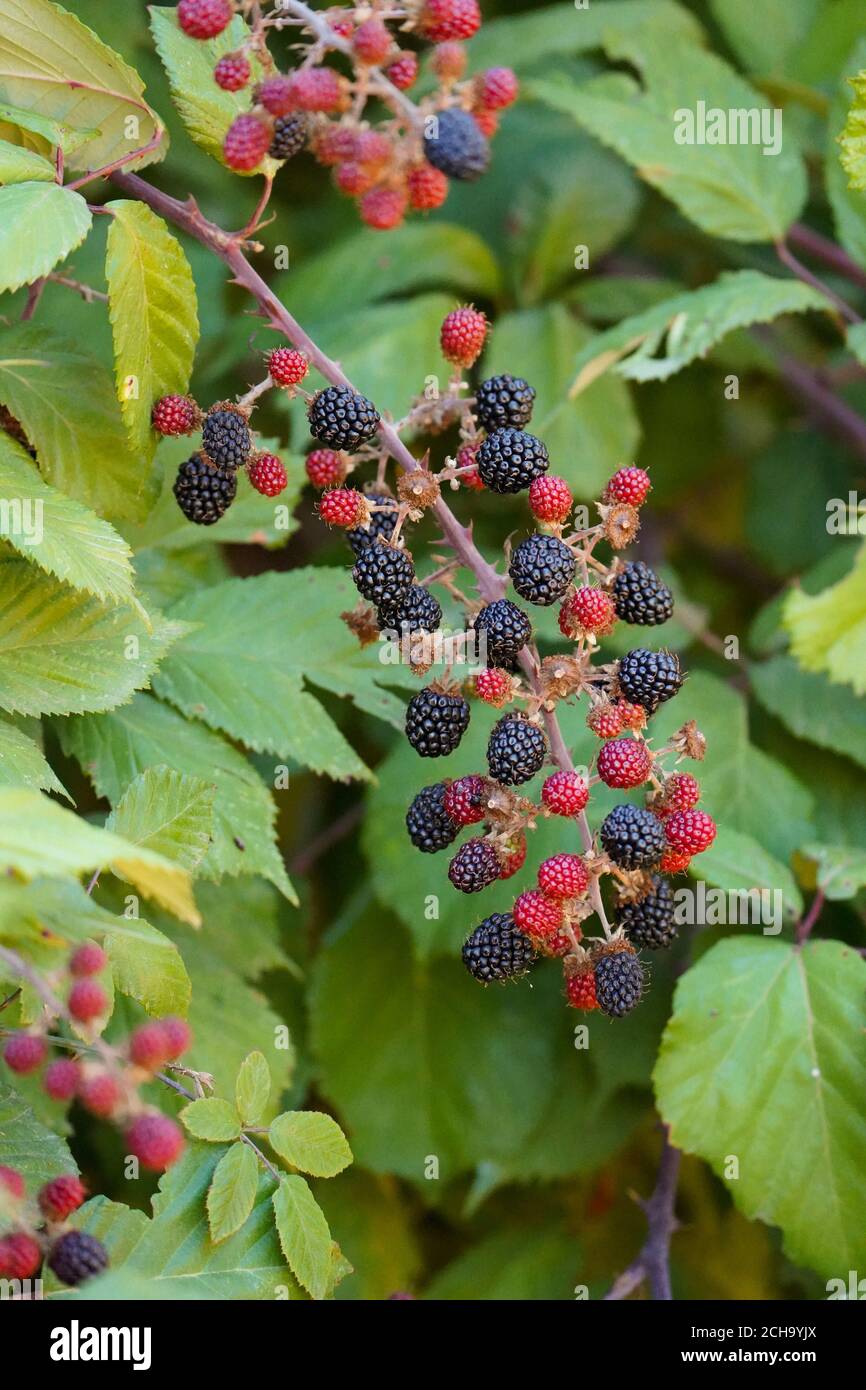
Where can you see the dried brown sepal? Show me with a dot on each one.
(560, 676)
(361, 620)
(419, 489)
(634, 884)
(689, 741)
(621, 523)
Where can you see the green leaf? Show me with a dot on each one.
(232, 1193)
(739, 863)
(512, 1264)
(765, 48)
(207, 111)
(257, 691)
(28, 1145)
(841, 869)
(549, 31)
(587, 438)
(853, 137)
(62, 652)
(53, 64)
(252, 1088)
(849, 212)
(154, 317)
(830, 715)
(18, 165)
(76, 430)
(731, 190)
(169, 812)
(39, 837)
(212, 1119)
(828, 630)
(376, 1229)
(23, 764)
(800, 1113)
(40, 223)
(656, 344)
(59, 534)
(49, 133)
(116, 747)
(311, 1141)
(304, 1235)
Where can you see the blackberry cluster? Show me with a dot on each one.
(418, 611)
(649, 678)
(383, 574)
(497, 950)
(381, 524)
(504, 401)
(516, 750)
(204, 493)
(541, 569)
(619, 982)
(342, 418)
(226, 438)
(429, 825)
(507, 630)
(436, 722)
(456, 147)
(650, 921)
(640, 596)
(290, 137)
(510, 459)
(633, 837)
(77, 1257)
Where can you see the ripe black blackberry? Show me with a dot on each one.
(76, 1257)
(226, 438)
(640, 596)
(436, 722)
(475, 866)
(383, 574)
(418, 611)
(429, 825)
(541, 569)
(204, 493)
(506, 629)
(496, 950)
(509, 460)
(650, 921)
(516, 750)
(455, 145)
(290, 136)
(649, 678)
(342, 418)
(633, 837)
(381, 524)
(503, 401)
(618, 982)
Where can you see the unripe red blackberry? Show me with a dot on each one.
(335, 144)
(509, 459)
(650, 921)
(87, 1001)
(204, 492)
(174, 415)
(178, 1035)
(633, 716)
(690, 831)
(267, 474)
(20, 1256)
(204, 19)
(372, 42)
(464, 799)
(497, 88)
(487, 122)
(502, 631)
(275, 94)
(225, 436)
(550, 499)
(403, 72)
(61, 1079)
(429, 825)
(383, 207)
(374, 149)
(77, 1257)
(682, 792)
(455, 145)
(246, 142)
(12, 1182)
(504, 402)
(605, 719)
(474, 867)
(629, 485)
(326, 467)
(563, 876)
(287, 366)
(541, 569)
(318, 89)
(436, 722)
(512, 856)
(675, 861)
(24, 1053)
(496, 950)
(383, 573)
(462, 335)
(87, 959)
(149, 1046)
(428, 187)
(289, 137)
(588, 609)
(516, 750)
(100, 1093)
(61, 1196)
(342, 418)
(155, 1140)
(494, 686)
(537, 915)
(441, 20)
(565, 793)
(624, 762)
(640, 596)
(467, 459)
(232, 72)
(619, 981)
(342, 506)
(580, 990)
(354, 178)
(632, 837)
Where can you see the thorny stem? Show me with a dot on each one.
(653, 1262)
(787, 257)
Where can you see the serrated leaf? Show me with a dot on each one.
(849, 213)
(828, 630)
(252, 1088)
(811, 707)
(549, 31)
(28, 1145)
(797, 1012)
(18, 165)
(169, 812)
(853, 136)
(40, 223)
(212, 1119)
(765, 48)
(57, 533)
(51, 63)
(739, 863)
(19, 126)
(656, 344)
(64, 399)
(304, 1235)
(147, 966)
(154, 317)
(300, 639)
(116, 747)
(23, 764)
(311, 1141)
(207, 111)
(841, 869)
(62, 652)
(232, 1193)
(38, 837)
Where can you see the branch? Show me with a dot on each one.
(807, 921)
(787, 257)
(653, 1262)
(823, 249)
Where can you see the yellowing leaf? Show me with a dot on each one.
(212, 1119)
(304, 1235)
(252, 1087)
(311, 1141)
(828, 630)
(40, 223)
(169, 812)
(232, 1193)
